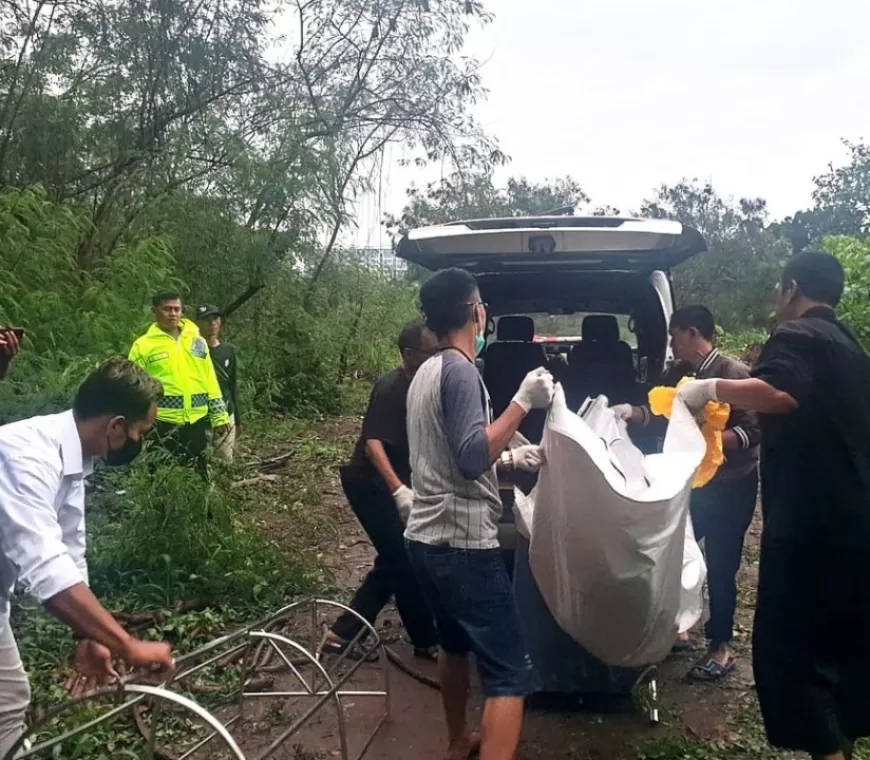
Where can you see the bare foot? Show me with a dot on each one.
(467, 746)
(720, 654)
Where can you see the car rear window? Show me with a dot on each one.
(569, 327)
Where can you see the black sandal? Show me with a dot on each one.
(710, 671)
(338, 648)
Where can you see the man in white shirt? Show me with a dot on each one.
(43, 463)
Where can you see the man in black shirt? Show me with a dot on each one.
(811, 387)
(377, 482)
(223, 356)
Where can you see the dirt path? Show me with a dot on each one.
(695, 712)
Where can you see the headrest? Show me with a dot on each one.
(601, 327)
(516, 328)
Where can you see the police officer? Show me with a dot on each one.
(173, 352)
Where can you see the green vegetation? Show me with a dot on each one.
(162, 144)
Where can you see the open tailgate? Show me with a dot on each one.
(539, 243)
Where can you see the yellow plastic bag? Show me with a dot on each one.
(711, 420)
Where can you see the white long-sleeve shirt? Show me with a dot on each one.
(42, 507)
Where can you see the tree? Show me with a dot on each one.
(474, 195)
(854, 254)
(113, 106)
(735, 278)
(842, 203)
(842, 194)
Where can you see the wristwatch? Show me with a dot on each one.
(507, 460)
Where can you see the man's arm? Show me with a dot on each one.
(744, 430)
(234, 387)
(783, 380)
(475, 444)
(135, 355)
(755, 394)
(217, 409)
(382, 424)
(377, 455)
(81, 610)
(9, 348)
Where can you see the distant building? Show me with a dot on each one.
(381, 259)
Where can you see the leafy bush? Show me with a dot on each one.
(736, 343)
(164, 534)
(298, 340)
(854, 254)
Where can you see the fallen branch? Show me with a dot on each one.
(157, 616)
(266, 464)
(256, 479)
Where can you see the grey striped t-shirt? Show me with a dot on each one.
(456, 498)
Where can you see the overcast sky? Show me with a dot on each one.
(627, 94)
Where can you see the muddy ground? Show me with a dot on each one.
(707, 716)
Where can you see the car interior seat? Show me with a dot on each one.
(601, 364)
(507, 362)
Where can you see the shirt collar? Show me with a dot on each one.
(184, 326)
(707, 361)
(819, 312)
(74, 462)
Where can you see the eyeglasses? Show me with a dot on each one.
(479, 303)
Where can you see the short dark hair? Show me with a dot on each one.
(411, 336)
(699, 317)
(165, 295)
(445, 298)
(819, 276)
(117, 388)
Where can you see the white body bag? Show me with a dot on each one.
(611, 543)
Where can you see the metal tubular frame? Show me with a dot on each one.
(323, 687)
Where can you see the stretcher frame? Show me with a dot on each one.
(324, 686)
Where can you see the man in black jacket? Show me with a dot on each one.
(226, 366)
(812, 614)
(722, 510)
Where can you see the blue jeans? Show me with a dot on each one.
(721, 514)
(471, 598)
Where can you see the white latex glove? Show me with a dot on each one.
(528, 458)
(404, 498)
(696, 393)
(536, 390)
(622, 411)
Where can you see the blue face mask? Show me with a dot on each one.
(479, 344)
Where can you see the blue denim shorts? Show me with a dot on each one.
(472, 601)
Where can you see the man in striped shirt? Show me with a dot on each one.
(452, 528)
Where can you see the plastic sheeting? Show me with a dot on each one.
(611, 544)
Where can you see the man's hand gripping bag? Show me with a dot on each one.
(612, 548)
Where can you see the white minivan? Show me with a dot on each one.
(590, 298)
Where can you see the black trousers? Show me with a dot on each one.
(809, 646)
(721, 514)
(185, 443)
(392, 574)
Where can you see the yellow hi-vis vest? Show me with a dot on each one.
(190, 385)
